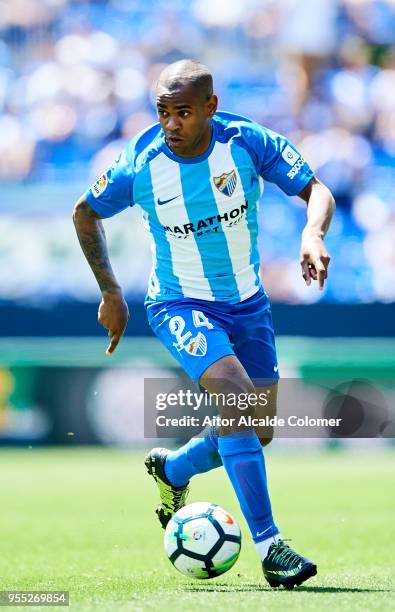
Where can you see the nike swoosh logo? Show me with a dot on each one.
(161, 202)
(259, 533)
(290, 572)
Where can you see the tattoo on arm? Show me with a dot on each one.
(84, 207)
(92, 239)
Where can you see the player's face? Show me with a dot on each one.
(185, 119)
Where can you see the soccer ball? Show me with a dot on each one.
(202, 540)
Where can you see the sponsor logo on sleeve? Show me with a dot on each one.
(290, 155)
(295, 169)
(100, 186)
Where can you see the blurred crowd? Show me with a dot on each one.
(77, 80)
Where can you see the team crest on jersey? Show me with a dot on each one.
(197, 346)
(99, 186)
(226, 183)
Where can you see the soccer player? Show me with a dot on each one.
(198, 175)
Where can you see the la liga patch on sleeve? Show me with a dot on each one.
(100, 186)
(290, 155)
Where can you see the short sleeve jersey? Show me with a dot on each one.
(201, 212)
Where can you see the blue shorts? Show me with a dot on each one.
(198, 333)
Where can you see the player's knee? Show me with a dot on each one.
(265, 441)
(227, 375)
(230, 387)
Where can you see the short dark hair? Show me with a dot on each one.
(188, 72)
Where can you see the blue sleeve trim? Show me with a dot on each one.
(101, 207)
(113, 191)
(283, 164)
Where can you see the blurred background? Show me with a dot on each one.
(76, 82)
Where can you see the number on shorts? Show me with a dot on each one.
(200, 319)
(176, 326)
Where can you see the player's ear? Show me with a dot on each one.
(211, 105)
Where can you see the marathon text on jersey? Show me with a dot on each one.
(208, 222)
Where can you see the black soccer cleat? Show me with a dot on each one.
(284, 566)
(172, 498)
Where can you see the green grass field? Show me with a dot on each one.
(82, 520)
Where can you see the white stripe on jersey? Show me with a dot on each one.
(237, 236)
(186, 260)
(153, 281)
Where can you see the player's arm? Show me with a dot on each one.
(113, 310)
(279, 162)
(314, 258)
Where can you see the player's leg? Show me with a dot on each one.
(243, 459)
(176, 324)
(200, 454)
(255, 348)
(239, 446)
(197, 456)
(252, 330)
(196, 340)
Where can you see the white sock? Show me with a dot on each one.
(263, 547)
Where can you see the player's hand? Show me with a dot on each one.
(314, 259)
(113, 315)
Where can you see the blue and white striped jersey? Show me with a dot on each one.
(202, 211)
